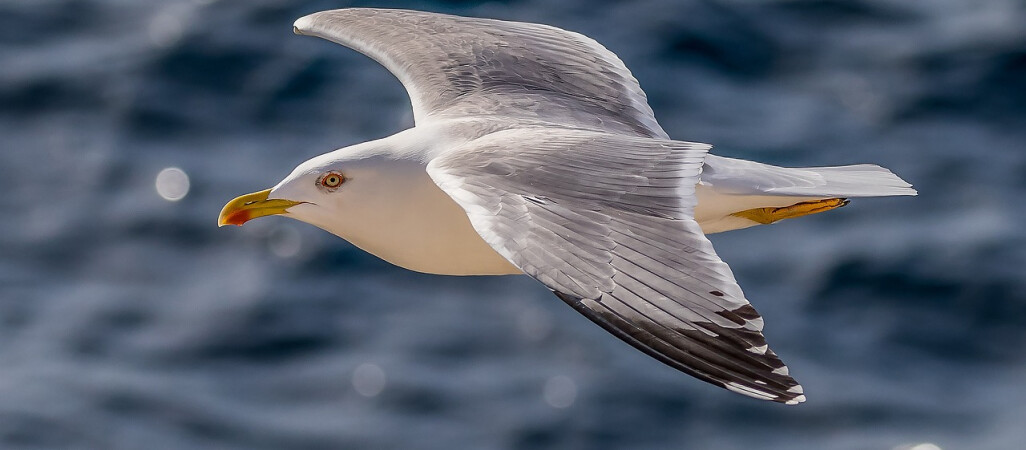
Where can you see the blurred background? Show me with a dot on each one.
(129, 320)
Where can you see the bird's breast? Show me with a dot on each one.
(415, 225)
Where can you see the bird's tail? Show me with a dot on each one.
(737, 176)
(735, 193)
(862, 180)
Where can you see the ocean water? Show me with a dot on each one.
(129, 320)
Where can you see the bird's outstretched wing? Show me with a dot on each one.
(605, 221)
(455, 67)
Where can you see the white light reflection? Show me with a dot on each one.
(559, 391)
(369, 380)
(172, 184)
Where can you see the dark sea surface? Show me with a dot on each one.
(128, 321)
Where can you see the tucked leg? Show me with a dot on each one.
(770, 215)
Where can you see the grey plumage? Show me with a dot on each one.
(550, 147)
(619, 245)
(459, 67)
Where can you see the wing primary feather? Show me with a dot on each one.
(733, 363)
(611, 244)
(649, 344)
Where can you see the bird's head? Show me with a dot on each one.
(322, 191)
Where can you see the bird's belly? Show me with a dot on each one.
(429, 233)
(448, 253)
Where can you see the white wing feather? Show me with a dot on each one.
(462, 67)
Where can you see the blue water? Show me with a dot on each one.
(129, 321)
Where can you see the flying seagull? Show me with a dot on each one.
(535, 152)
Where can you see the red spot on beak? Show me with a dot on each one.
(238, 218)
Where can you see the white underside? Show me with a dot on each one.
(714, 210)
(403, 217)
(420, 229)
(424, 230)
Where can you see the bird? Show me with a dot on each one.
(534, 151)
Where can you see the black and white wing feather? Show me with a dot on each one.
(605, 221)
(457, 67)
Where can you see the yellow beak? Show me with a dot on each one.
(250, 206)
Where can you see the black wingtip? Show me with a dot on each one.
(784, 389)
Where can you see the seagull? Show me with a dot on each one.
(535, 152)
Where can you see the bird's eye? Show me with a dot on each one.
(332, 180)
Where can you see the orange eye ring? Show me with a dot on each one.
(331, 180)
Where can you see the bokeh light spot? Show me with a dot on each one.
(285, 241)
(172, 184)
(166, 29)
(559, 391)
(535, 324)
(922, 446)
(369, 380)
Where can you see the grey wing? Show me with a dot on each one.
(605, 222)
(456, 66)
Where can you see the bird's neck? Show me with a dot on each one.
(404, 218)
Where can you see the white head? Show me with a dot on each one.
(341, 191)
(379, 196)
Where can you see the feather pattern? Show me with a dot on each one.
(468, 67)
(547, 142)
(619, 245)
(731, 176)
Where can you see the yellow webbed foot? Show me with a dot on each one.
(770, 215)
